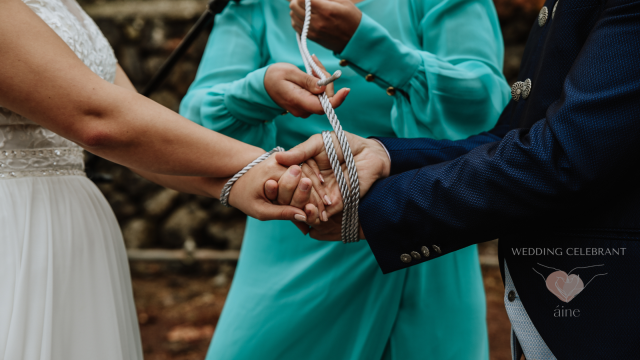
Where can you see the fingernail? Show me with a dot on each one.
(321, 178)
(304, 186)
(295, 171)
(324, 216)
(327, 201)
(300, 217)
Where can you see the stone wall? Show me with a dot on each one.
(143, 34)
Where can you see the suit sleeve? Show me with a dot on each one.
(588, 141)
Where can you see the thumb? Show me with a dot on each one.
(290, 158)
(307, 150)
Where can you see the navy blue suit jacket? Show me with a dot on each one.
(560, 171)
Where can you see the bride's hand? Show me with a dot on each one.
(248, 194)
(296, 91)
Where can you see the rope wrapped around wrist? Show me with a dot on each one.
(350, 195)
(226, 190)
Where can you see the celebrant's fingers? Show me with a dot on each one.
(297, 7)
(302, 195)
(305, 81)
(297, 26)
(337, 99)
(271, 190)
(302, 152)
(288, 184)
(330, 88)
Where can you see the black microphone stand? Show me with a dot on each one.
(213, 8)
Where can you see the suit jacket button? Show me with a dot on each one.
(543, 16)
(406, 258)
(391, 91)
(436, 248)
(415, 255)
(511, 296)
(344, 62)
(369, 77)
(425, 251)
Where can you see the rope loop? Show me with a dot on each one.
(350, 191)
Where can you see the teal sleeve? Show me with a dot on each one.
(450, 88)
(228, 94)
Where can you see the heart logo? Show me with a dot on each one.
(565, 287)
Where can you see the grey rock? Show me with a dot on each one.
(160, 203)
(122, 205)
(138, 233)
(220, 280)
(230, 232)
(188, 220)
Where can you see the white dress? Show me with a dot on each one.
(65, 289)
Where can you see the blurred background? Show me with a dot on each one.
(183, 248)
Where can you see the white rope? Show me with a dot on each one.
(350, 196)
(226, 190)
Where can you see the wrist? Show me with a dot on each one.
(382, 157)
(350, 29)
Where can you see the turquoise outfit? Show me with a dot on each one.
(296, 298)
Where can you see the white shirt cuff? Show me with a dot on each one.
(384, 147)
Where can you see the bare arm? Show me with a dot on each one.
(198, 185)
(42, 79)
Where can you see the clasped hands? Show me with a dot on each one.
(312, 187)
(307, 191)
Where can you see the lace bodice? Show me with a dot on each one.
(27, 149)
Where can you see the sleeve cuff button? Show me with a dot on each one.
(436, 249)
(369, 77)
(344, 62)
(391, 91)
(425, 251)
(406, 258)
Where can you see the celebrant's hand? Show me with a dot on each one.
(296, 91)
(333, 22)
(248, 193)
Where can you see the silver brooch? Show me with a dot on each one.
(544, 15)
(521, 89)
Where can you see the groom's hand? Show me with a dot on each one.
(371, 160)
(372, 163)
(330, 230)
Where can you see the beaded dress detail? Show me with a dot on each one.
(26, 148)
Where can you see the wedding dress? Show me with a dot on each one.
(65, 290)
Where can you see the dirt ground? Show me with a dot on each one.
(178, 314)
